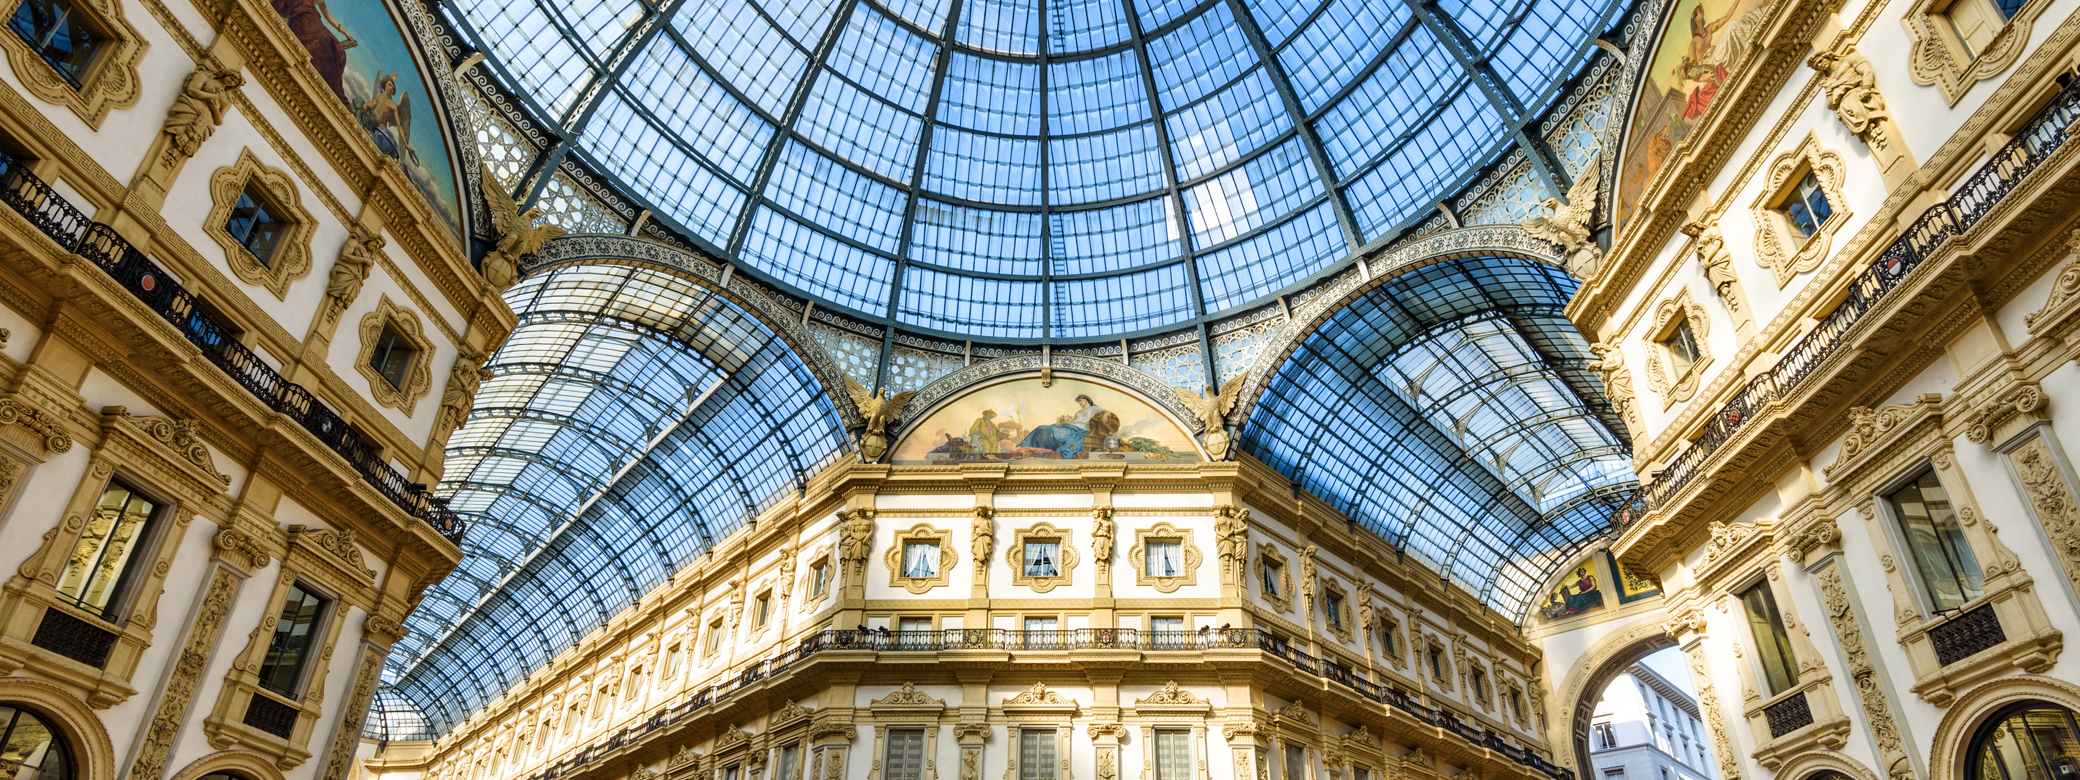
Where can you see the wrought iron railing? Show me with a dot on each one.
(955, 639)
(1969, 202)
(70, 228)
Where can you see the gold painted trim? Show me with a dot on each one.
(292, 257)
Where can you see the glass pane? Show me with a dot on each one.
(1173, 755)
(1949, 571)
(1036, 756)
(294, 632)
(1041, 557)
(1772, 645)
(921, 559)
(905, 760)
(1163, 559)
(100, 562)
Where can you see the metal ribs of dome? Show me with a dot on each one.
(1032, 170)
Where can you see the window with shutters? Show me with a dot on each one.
(1173, 754)
(1036, 754)
(905, 758)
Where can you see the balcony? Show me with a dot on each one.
(69, 227)
(1971, 200)
(957, 639)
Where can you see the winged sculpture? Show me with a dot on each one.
(518, 235)
(1212, 412)
(1569, 224)
(877, 410)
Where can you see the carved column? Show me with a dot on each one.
(2040, 470)
(1852, 91)
(204, 629)
(1689, 632)
(1863, 673)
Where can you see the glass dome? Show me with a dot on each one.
(1039, 169)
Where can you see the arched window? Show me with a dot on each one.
(2029, 741)
(30, 749)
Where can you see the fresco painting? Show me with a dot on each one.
(1019, 420)
(362, 54)
(1704, 41)
(1578, 592)
(1632, 585)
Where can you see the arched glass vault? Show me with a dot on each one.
(631, 421)
(1451, 410)
(1038, 170)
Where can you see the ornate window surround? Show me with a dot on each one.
(1828, 726)
(1065, 568)
(1937, 58)
(1268, 554)
(1391, 626)
(1883, 449)
(1167, 708)
(292, 258)
(1040, 709)
(112, 80)
(810, 599)
(921, 585)
(1432, 643)
(1775, 247)
(1342, 622)
(1518, 704)
(418, 380)
(1478, 678)
(907, 708)
(1667, 315)
(1163, 532)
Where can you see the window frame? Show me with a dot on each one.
(1896, 532)
(328, 605)
(1066, 557)
(291, 259)
(1789, 660)
(146, 547)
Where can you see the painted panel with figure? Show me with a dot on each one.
(1577, 593)
(1019, 420)
(362, 54)
(1704, 41)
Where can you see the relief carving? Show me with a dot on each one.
(1842, 615)
(199, 109)
(180, 689)
(2053, 500)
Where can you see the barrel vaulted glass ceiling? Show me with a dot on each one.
(1039, 169)
(1452, 411)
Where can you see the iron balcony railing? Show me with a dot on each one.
(956, 639)
(1969, 202)
(65, 224)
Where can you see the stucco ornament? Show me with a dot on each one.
(1852, 91)
(856, 536)
(1101, 537)
(1717, 262)
(1617, 381)
(876, 411)
(1211, 410)
(463, 381)
(518, 235)
(204, 100)
(1569, 226)
(356, 257)
(983, 532)
(1231, 532)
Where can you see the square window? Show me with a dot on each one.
(1163, 558)
(1806, 208)
(393, 355)
(921, 559)
(714, 637)
(1042, 558)
(60, 34)
(1681, 344)
(257, 224)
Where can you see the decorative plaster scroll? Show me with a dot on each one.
(1869, 429)
(349, 735)
(55, 439)
(187, 671)
(909, 696)
(2053, 501)
(1714, 719)
(1671, 387)
(1038, 694)
(341, 545)
(1841, 613)
(2020, 399)
(1171, 695)
(181, 436)
(1775, 247)
(239, 548)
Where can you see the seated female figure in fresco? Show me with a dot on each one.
(1067, 436)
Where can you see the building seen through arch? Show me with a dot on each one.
(1039, 389)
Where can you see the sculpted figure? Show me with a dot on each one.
(1852, 91)
(1617, 380)
(1569, 225)
(205, 98)
(856, 534)
(356, 257)
(1231, 536)
(984, 531)
(1101, 536)
(518, 235)
(461, 395)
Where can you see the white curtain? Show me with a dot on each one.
(1040, 558)
(1163, 559)
(920, 560)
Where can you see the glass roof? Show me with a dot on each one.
(1038, 169)
(1451, 411)
(632, 420)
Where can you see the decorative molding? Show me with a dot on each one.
(1268, 555)
(16, 410)
(111, 81)
(187, 672)
(1939, 58)
(341, 545)
(1137, 556)
(1171, 696)
(2052, 499)
(789, 713)
(947, 558)
(1870, 430)
(418, 379)
(1038, 697)
(241, 549)
(348, 737)
(1863, 673)
(2020, 399)
(1065, 567)
(1674, 389)
(908, 697)
(1775, 247)
(1341, 622)
(182, 437)
(291, 259)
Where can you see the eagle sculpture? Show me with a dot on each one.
(1212, 412)
(876, 410)
(1569, 224)
(518, 235)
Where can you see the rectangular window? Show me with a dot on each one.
(1949, 571)
(820, 578)
(732, 772)
(1516, 704)
(1163, 558)
(790, 757)
(914, 632)
(1036, 753)
(1270, 571)
(714, 637)
(1387, 638)
(1605, 737)
(257, 225)
(105, 561)
(920, 559)
(1173, 754)
(1040, 634)
(905, 759)
(671, 662)
(1614, 774)
(765, 607)
(571, 721)
(1361, 773)
(599, 703)
(60, 34)
(1772, 644)
(1478, 681)
(1682, 348)
(1296, 762)
(1166, 624)
(1333, 604)
(1437, 662)
(392, 357)
(1041, 558)
(1806, 208)
(295, 633)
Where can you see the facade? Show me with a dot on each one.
(1646, 727)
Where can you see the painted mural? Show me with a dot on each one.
(1704, 41)
(1019, 420)
(1632, 585)
(361, 53)
(1577, 593)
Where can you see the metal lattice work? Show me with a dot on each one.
(1450, 411)
(632, 421)
(1041, 169)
